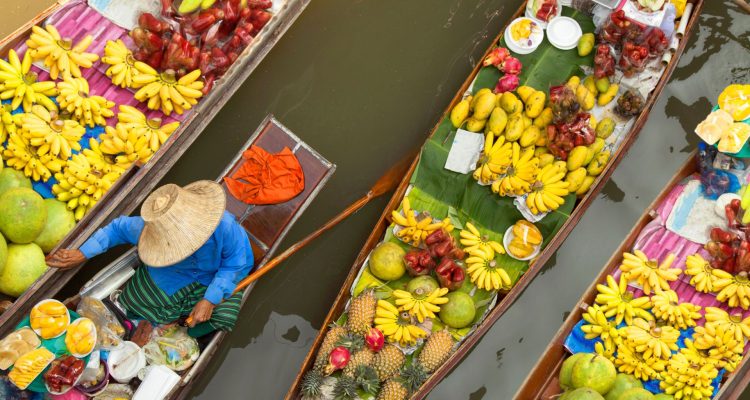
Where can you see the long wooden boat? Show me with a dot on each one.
(132, 188)
(266, 225)
(543, 382)
(504, 301)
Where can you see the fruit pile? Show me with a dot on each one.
(190, 37)
(510, 66)
(636, 43)
(414, 227)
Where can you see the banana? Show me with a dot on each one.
(164, 91)
(87, 110)
(19, 83)
(617, 301)
(472, 239)
(81, 184)
(684, 379)
(720, 343)
(122, 69)
(50, 134)
(700, 271)
(494, 161)
(21, 155)
(60, 55)
(548, 191)
(651, 340)
(414, 231)
(648, 273)
(7, 123)
(485, 272)
(740, 327)
(631, 362)
(520, 174)
(600, 327)
(667, 307)
(732, 289)
(396, 326)
(421, 305)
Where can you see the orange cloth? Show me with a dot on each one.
(266, 178)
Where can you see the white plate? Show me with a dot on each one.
(67, 324)
(536, 37)
(506, 243)
(564, 33)
(95, 337)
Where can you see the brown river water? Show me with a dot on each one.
(363, 82)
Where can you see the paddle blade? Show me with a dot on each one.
(393, 176)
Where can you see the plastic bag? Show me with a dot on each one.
(172, 347)
(714, 181)
(17, 344)
(109, 332)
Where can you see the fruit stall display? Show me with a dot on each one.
(546, 121)
(84, 99)
(672, 321)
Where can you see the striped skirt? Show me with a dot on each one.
(143, 298)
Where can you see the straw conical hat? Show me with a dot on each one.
(178, 221)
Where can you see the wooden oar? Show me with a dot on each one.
(386, 183)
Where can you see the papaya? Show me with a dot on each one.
(598, 163)
(460, 112)
(590, 84)
(605, 127)
(585, 44)
(524, 92)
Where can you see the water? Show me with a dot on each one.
(363, 82)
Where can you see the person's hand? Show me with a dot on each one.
(65, 259)
(201, 312)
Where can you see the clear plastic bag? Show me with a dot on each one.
(173, 348)
(108, 329)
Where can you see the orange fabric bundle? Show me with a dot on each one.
(266, 178)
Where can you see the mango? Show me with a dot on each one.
(527, 122)
(544, 119)
(575, 179)
(542, 141)
(535, 104)
(480, 92)
(585, 44)
(484, 106)
(585, 98)
(460, 112)
(545, 159)
(561, 165)
(573, 83)
(605, 127)
(475, 125)
(587, 182)
(514, 129)
(498, 120)
(540, 150)
(530, 136)
(590, 84)
(510, 103)
(607, 96)
(602, 84)
(524, 92)
(577, 157)
(598, 163)
(594, 149)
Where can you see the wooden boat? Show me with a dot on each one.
(132, 188)
(504, 301)
(543, 382)
(266, 225)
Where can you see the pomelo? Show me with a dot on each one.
(622, 383)
(636, 394)
(60, 221)
(595, 372)
(459, 311)
(567, 369)
(24, 266)
(10, 178)
(387, 261)
(422, 285)
(3, 252)
(663, 396)
(582, 394)
(22, 215)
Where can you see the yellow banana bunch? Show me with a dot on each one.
(80, 185)
(684, 379)
(164, 91)
(651, 340)
(609, 353)
(122, 64)
(617, 301)
(700, 270)
(87, 110)
(21, 155)
(7, 123)
(485, 272)
(649, 273)
(472, 239)
(420, 305)
(548, 191)
(152, 129)
(716, 317)
(103, 162)
(631, 362)
(50, 134)
(599, 327)
(495, 159)
(520, 174)
(721, 344)
(397, 326)
(59, 54)
(17, 82)
(695, 355)
(732, 289)
(124, 145)
(415, 231)
(667, 307)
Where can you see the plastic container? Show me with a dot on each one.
(524, 46)
(745, 151)
(533, 7)
(16, 344)
(564, 33)
(125, 362)
(93, 386)
(64, 388)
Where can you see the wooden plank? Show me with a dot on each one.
(505, 302)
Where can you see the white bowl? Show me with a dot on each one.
(133, 356)
(506, 243)
(564, 33)
(95, 337)
(39, 331)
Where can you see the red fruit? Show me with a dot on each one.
(437, 236)
(721, 236)
(374, 339)
(260, 18)
(743, 263)
(449, 274)
(203, 22)
(507, 83)
(337, 360)
(155, 59)
(260, 4)
(425, 259)
(166, 8)
(153, 24)
(496, 57)
(442, 249)
(413, 265)
(511, 65)
(210, 79)
(730, 265)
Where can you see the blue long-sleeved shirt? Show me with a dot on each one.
(219, 264)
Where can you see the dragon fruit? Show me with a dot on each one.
(507, 83)
(337, 360)
(374, 339)
(511, 65)
(496, 57)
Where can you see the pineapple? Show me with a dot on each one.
(311, 384)
(351, 341)
(345, 389)
(362, 312)
(388, 361)
(412, 377)
(367, 379)
(393, 390)
(362, 357)
(437, 349)
(329, 343)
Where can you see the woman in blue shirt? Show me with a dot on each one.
(194, 253)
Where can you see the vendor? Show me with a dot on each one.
(194, 251)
